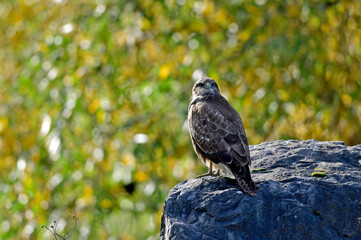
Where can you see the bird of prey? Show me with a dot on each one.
(218, 135)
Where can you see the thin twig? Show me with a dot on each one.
(53, 229)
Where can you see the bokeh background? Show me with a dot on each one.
(94, 97)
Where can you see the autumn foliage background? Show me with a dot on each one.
(94, 97)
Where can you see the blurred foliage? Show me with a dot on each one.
(94, 97)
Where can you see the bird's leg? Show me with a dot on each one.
(209, 173)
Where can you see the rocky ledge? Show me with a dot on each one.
(308, 190)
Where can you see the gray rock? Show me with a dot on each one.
(290, 204)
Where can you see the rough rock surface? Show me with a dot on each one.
(290, 204)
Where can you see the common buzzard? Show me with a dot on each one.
(218, 135)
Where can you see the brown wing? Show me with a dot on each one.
(217, 129)
(218, 134)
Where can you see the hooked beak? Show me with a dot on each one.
(208, 85)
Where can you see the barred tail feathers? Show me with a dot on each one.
(242, 174)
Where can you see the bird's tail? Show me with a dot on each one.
(243, 178)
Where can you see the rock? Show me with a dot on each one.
(290, 204)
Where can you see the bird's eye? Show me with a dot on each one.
(200, 84)
(214, 84)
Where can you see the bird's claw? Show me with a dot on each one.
(216, 174)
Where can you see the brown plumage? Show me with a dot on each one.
(218, 134)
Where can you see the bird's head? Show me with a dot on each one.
(205, 86)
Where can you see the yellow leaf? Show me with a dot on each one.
(94, 105)
(42, 47)
(221, 16)
(346, 99)
(4, 123)
(145, 24)
(244, 35)
(164, 71)
(100, 116)
(106, 203)
(283, 95)
(87, 198)
(209, 9)
(141, 176)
